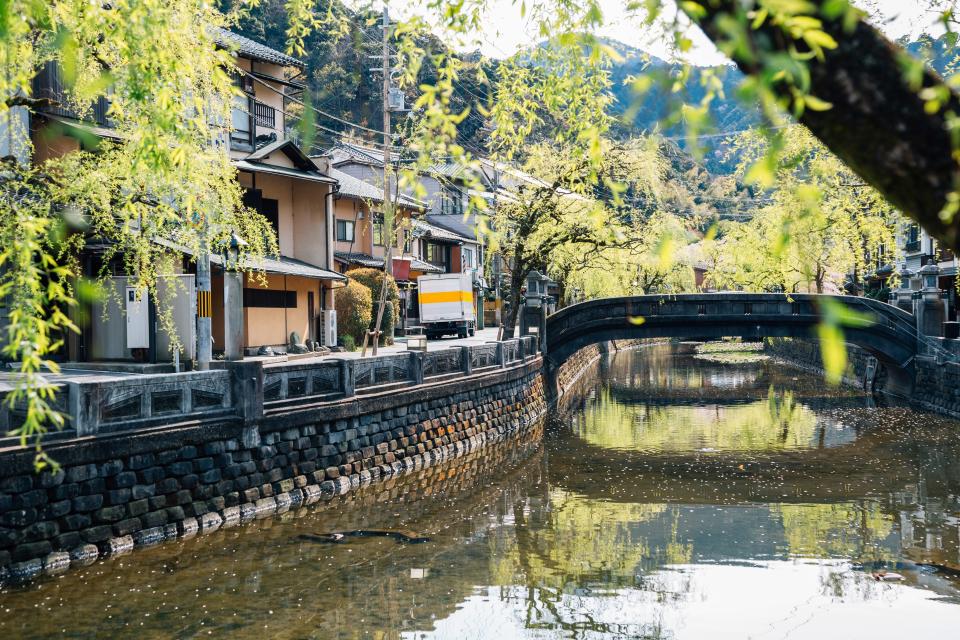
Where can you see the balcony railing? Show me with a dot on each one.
(265, 115)
(49, 84)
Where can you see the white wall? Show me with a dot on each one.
(176, 292)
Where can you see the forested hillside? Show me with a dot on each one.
(340, 55)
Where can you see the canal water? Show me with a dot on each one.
(674, 495)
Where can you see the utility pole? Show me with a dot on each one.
(388, 211)
(387, 68)
(204, 307)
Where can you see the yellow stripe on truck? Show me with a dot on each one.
(446, 296)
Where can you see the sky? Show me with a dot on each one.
(507, 31)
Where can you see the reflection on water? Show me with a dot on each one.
(672, 497)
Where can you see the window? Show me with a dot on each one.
(270, 209)
(378, 232)
(269, 299)
(451, 202)
(913, 239)
(242, 122)
(267, 207)
(345, 230)
(467, 260)
(437, 254)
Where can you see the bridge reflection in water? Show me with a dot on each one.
(727, 510)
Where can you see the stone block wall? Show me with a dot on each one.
(139, 489)
(937, 386)
(805, 354)
(568, 372)
(936, 382)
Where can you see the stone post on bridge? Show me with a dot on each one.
(930, 312)
(903, 297)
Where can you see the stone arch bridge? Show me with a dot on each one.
(891, 337)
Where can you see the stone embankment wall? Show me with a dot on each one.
(117, 492)
(805, 354)
(936, 382)
(581, 362)
(937, 386)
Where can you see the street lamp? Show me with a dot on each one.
(928, 275)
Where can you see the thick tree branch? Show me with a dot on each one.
(31, 103)
(878, 125)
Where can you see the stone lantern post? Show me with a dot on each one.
(930, 310)
(534, 310)
(903, 297)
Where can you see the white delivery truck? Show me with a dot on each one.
(446, 304)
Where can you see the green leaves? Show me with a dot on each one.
(835, 316)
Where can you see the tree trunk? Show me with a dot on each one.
(878, 125)
(517, 280)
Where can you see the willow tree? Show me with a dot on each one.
(820, 226)
(561, 213)
(656, 254)
(166, 181)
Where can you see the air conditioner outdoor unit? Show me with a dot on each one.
(328, 327)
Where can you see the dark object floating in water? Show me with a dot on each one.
(887, 576)
(341, 536)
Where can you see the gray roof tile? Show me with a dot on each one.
(253, 49)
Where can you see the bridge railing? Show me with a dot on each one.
(892, 324)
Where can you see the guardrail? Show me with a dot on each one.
(344, 377)
(107, 404)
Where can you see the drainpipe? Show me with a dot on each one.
(329, 220)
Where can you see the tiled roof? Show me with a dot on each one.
(357, 258)
(357, 188)
(253, 49)
(416, 264)
(455, 223)
(346, 151)
(423, 229)
(364, 260)
(293, 267)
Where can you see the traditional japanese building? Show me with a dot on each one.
(294, 193)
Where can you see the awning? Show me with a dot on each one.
(87, 128)
(288, 267)
(282, 265)
(296, 174)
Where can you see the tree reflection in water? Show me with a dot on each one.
(708, 507)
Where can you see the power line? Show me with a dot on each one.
(303, 104)
(720, 135)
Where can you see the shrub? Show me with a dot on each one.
(348, 343)
(354, 304)
(373, 280)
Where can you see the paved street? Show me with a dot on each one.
(482, 336)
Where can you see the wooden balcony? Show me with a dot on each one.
(49, 84)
